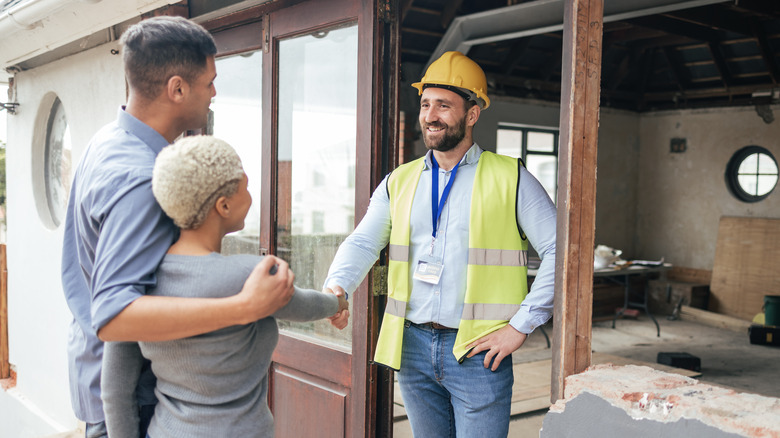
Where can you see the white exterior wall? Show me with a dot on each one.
(91, 87)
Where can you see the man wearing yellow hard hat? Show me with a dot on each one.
(458, 222)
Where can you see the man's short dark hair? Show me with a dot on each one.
(156, 49)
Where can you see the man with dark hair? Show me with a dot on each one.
(115, 232)
(161, 49)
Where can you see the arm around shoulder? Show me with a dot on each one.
(158, 318)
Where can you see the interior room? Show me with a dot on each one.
(685, 86)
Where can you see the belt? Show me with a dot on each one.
(431, 325)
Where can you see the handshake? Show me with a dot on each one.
(269, 287)
(341, 318)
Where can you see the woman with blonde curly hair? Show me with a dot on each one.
(214, 384)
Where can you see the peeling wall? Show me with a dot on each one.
(652, 203)
(618, 161)
(682, 196)
(616, 181)
(626, 401)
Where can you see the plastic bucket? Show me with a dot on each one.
(772, 310)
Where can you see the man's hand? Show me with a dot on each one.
(499, 344)
(156, 318)
(341, 318)
(264, 293)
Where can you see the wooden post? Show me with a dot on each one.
(5, 368)
(582, 32)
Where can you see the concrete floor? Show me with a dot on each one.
(727, 359)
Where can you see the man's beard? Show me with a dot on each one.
(452, 136)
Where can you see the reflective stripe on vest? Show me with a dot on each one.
(395, 308)
(495, 312)
(497, 257)
(496, 281)
(398, 253)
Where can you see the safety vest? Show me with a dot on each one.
(496, 275)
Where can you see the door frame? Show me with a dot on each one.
(369, 412)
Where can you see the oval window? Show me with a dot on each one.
(752, 173)
(57, 162)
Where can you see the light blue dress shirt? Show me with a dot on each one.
(443, 302)
(115, 237)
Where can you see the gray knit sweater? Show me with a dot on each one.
(214, 384)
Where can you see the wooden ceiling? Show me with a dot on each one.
(724, 54)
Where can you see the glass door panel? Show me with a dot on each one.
(236, 118)
(317, 128)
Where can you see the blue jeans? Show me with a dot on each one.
(145, 414)
(444, 398)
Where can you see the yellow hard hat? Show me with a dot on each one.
(457, 72)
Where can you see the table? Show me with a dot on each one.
(622, 276)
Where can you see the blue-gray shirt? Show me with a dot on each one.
(443, 302)
(115, 237)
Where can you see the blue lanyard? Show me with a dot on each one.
(436, 204)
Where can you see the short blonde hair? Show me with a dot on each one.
(191, 174)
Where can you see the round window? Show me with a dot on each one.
(752, 173)
(57, 158)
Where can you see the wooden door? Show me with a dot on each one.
(321, 153)
(305, 92)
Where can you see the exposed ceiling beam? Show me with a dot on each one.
(670, 95)
(720, 63)
(680, 76)
(416, 52)
(676, 27)
(554, 65)
(648, 58)
(527, 83)
(664, 41)
(449, 12)
(620, 73)
(756, 74)
(765, 8)
(406, 5)
(629, 35)
(625, 95)
(515, 54)
(770, 61)
(429, 33)
(426, 11)
(706, 93)
(713, 18)
(647, 52)
(541, 16)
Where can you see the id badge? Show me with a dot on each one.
(428, 271)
